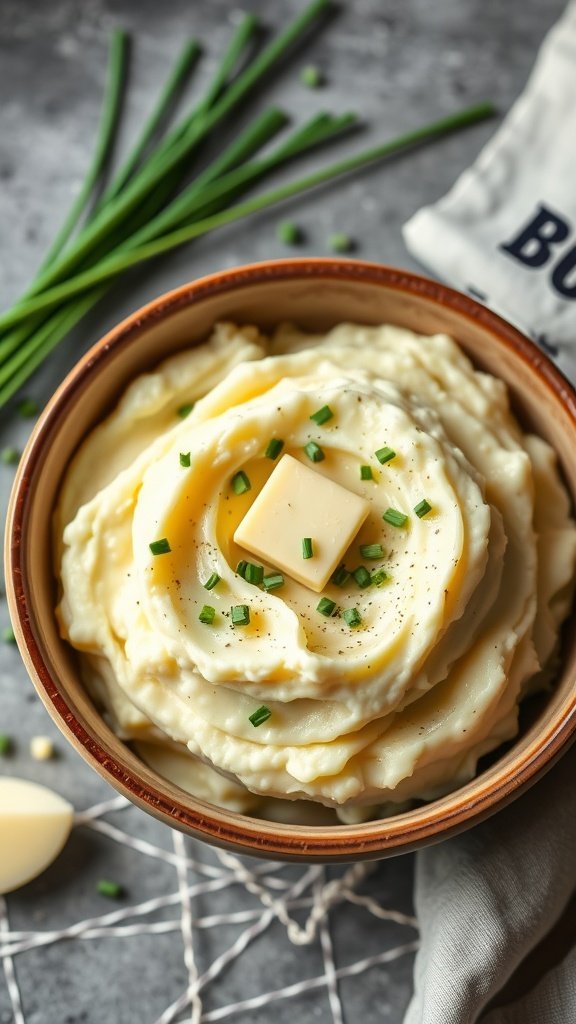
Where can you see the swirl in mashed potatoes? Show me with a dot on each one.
(463, 622)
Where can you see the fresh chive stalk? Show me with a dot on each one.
(212, 581)
(326, 607)
(273, 448)
(394, 517)
(366, 473)
(185, 459)
(362, 576)
(340, 576)
(160, 547)
(307, 547)
(352, 617)
(422, 508)
(112, 890)
(241, 568)
(314, 452)
(322, 415)
(372, 551)
(254, 573)
(273, 582)
(207, 615)
(378, 577)
(385, 454)
(260, 716)
(240, 615)
(184, 410)
(240, 483)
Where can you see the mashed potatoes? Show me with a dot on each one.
(460, 622)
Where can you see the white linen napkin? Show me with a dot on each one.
(506, 231)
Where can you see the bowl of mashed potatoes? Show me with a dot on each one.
(291, 557)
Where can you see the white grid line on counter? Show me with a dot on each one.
(272, 899)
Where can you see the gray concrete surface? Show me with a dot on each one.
(398, 63)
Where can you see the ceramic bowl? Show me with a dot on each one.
(315, 294)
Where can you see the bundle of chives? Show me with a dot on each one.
(149, 207)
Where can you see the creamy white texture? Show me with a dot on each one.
(398, 708)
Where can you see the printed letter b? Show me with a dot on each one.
(532, 246)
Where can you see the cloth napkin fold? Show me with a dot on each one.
(506, 233)
(485, 899)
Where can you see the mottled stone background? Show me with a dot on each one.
(398, 63)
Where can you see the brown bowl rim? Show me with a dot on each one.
(246, 834)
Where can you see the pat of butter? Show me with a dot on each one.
(296, 502)
(34, 824)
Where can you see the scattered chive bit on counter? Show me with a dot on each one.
(28, 408)
(184, 410)
(385, 455)
(212, 581)
(160, 547)
(207, 614)
(185, 459)
(8, 635)
(289, 233)
(322, 415)
(326, 607)
(307, 547)
(311, 76)
(422, 508)
(340, 576)
(112, 890)
(352, 617)
(366, 473)
(6, 745)
(378, 577)
(314, 452)
(79, 268)
(240, 615)
(41, 748)
(240, 482)
(340, 242)
(273, 448)
(260, 716)
(10, 456)
(362, 576)
(254, 573)
(394, 517)
(273, 581)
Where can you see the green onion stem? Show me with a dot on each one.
(115, 78)
(155, 170)
(182, 68)
(112, 265)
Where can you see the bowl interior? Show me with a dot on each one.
(315, 295)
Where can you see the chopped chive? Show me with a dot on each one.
(378, 577)
(10, 456)
(289, 233)
(340, 242)
(366, 473)
(5, 745)
(326, 607)
(422, 508)
(160, 547)
(185, 459)
(307, 549)
(322, 415)
(184, 410)
(314, 451)
(352, 617)
(311, 76)
(394, 517)
(254, 573)
(212, 581)
(273, 448)
(362, 576)
(372, 551)
(113, 890)
(260, 716)
(241, 568)
(207, 614)
(274, 581)
(385, 454)
(240, 615)
(28, 408)
(340, 576)
(240, 483)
